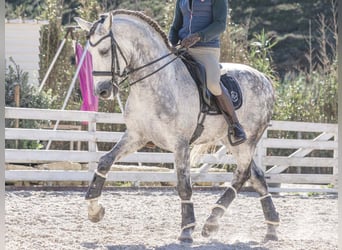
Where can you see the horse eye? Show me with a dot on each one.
(104, 52)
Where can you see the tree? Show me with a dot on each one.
(311, 94)
(29, 98)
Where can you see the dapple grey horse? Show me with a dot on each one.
(163, 107)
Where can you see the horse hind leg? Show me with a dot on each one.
(182, 164)
(127, 144)
(257, 180)
(241, 175)
(211, 225)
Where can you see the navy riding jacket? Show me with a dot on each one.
(206, 17)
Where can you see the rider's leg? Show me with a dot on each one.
(227, 107)
(209, 57)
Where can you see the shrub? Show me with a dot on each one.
(29, 98)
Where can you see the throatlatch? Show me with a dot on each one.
(95, 186)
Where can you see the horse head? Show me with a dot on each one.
(100, 39)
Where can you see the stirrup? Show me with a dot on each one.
(231, 133)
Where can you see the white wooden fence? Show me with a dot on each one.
(275, 166)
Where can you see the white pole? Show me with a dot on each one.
(51, 65)
(76, 75)
(71, 87)
(120, 103)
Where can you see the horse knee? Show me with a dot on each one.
(240, 177)
(184, 184)
(184, 191)
(105, 164)
(258, 181)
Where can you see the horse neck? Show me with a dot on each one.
(140, 42)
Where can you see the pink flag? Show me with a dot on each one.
(90, 101)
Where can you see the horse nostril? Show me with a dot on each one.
(104, 89)
(104, 94)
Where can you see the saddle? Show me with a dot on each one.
(207, 100)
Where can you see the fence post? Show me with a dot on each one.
(92, 147)
(260, 152)
(17, 104)
(335, 167)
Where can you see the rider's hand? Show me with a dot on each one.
(177, 50)
(191, 40)
(174, 49)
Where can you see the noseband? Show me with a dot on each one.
(115, 72)
(115, 68)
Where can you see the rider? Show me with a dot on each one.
(198, 25)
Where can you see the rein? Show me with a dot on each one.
(148, 64)
(115, 68)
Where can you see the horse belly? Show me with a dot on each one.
(215, 129)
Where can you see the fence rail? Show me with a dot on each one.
(276, 167)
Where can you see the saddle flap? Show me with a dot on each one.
(198, 73)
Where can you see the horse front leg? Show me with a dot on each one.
(182, 164)
(271, 216)
(127, 144)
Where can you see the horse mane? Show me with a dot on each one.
(146, 19)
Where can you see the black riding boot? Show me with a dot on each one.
(225, 104)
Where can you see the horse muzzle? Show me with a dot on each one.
(106, 89)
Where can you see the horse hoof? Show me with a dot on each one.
(271, 234)
(270, 237)
(210, 227)
(185, 237)
(96, 216)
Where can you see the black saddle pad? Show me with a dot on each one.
(233, 87)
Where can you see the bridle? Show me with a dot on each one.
(115, 72)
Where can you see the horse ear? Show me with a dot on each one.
(85, 25)
(108, 21)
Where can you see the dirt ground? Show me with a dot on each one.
(149, 218)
